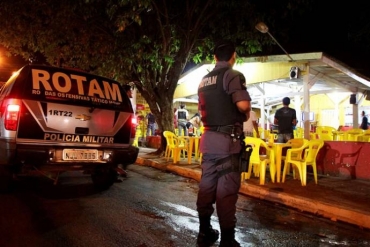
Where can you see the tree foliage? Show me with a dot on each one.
(145, 42)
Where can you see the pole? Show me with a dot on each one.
(291, 59)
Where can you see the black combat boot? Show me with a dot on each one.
(207, 235)
(228, 238)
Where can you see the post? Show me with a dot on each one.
(306, 104)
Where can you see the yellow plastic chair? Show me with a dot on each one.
(135, 143)
(363, 137)
(266, 134)
(296, 143)
(200, 153)
(167, 153)
(293, 144)
(272, 138)
(298, 132)
(310, 151)
(351, 135)
(260, 132)
(367, 131)
(259, 162)
(314, 136)
(174, 146)
(339, 135)
(325, 132)
(201, 128)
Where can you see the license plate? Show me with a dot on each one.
(80, 154)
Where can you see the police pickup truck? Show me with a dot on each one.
(54, 120)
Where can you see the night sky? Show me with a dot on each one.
(340, 29)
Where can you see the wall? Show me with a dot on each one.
(345, 159)
(324, 104)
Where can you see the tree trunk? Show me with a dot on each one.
(162, 108)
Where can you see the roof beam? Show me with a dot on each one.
(336, 65)
(332, 81)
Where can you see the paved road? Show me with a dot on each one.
(148, 209)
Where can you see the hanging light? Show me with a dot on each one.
(263, 28)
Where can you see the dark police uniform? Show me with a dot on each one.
(182, 116)
(218, 93)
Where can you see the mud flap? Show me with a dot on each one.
(103, 177)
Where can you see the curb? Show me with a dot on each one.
(333, 212)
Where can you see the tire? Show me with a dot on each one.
(103, 177)
(6, 180)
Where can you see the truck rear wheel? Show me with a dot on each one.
(103, 177)
(6, 180)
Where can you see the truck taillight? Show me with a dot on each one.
(133, 126)
(11, 117)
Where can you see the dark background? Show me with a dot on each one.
(9, 64)
(341, 30)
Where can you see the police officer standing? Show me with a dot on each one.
(182, 116)
(224, 104)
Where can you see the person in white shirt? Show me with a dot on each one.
(251, 124)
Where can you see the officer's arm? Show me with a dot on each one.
(236, 87)
(244, 106)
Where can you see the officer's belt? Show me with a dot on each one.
(226, 129)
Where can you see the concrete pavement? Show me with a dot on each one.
(339, 199)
